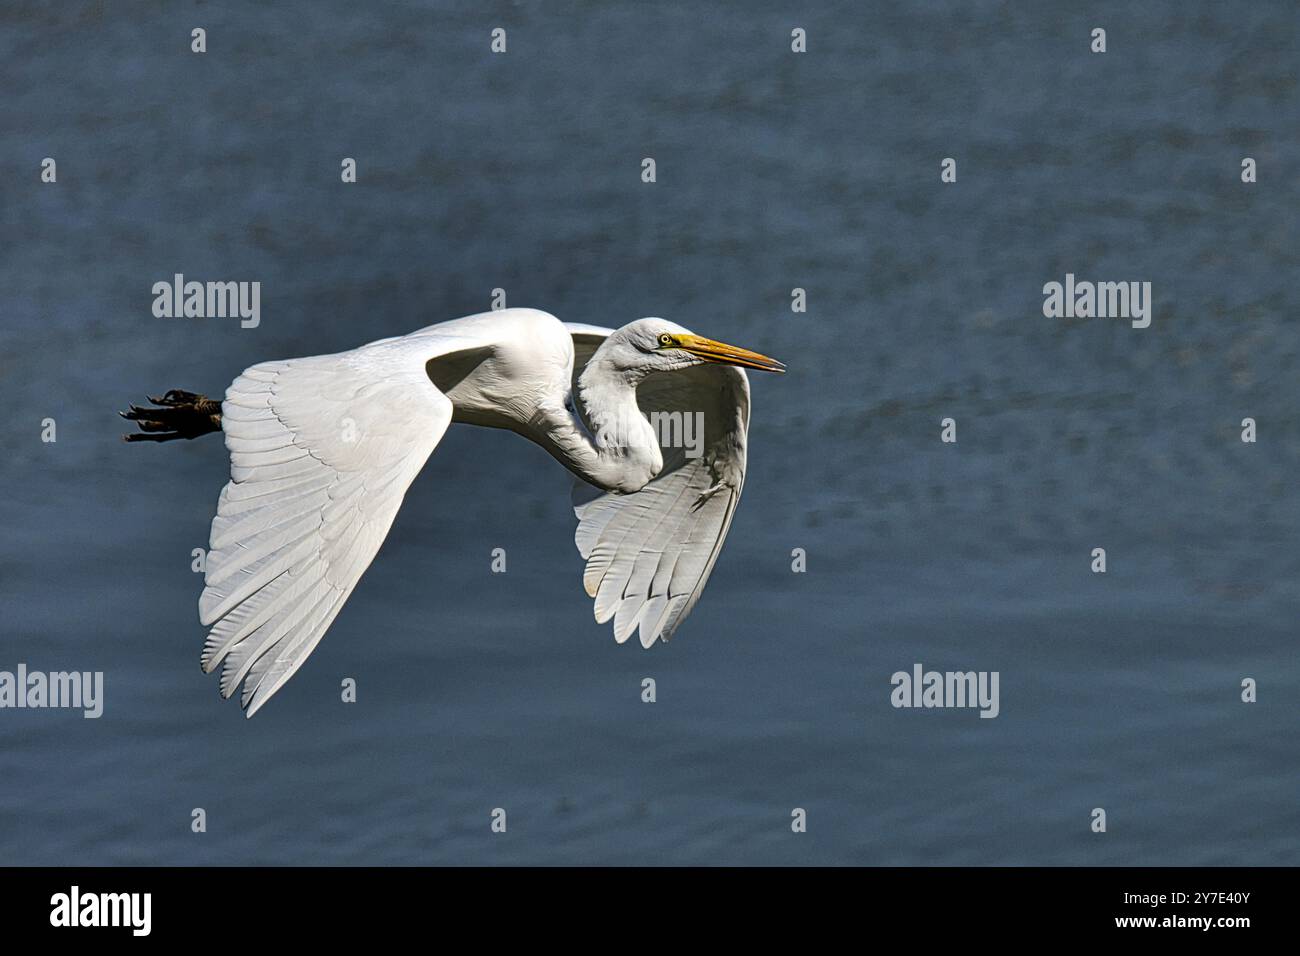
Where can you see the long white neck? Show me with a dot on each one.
(620, 452)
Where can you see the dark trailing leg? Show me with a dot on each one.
(179, 415)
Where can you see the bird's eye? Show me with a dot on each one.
(665, 339)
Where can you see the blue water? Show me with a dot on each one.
(775, 170)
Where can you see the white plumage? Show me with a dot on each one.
(649, 554)
(323, 449)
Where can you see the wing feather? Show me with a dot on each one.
(650, 554)
(322, 451)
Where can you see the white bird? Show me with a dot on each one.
(323, 449)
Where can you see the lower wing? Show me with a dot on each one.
(649, 554)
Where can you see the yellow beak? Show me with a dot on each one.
(724, 354)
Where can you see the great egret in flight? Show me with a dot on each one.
(322, 450)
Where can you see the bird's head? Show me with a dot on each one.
(657, 345)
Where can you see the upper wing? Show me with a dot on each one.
(322, 451)
(649, 554)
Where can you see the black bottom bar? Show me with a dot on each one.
(333, 905)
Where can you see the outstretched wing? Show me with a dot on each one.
(649, 554)
(322, 450)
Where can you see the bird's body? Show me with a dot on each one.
(322, 450)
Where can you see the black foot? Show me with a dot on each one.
(179, 415)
